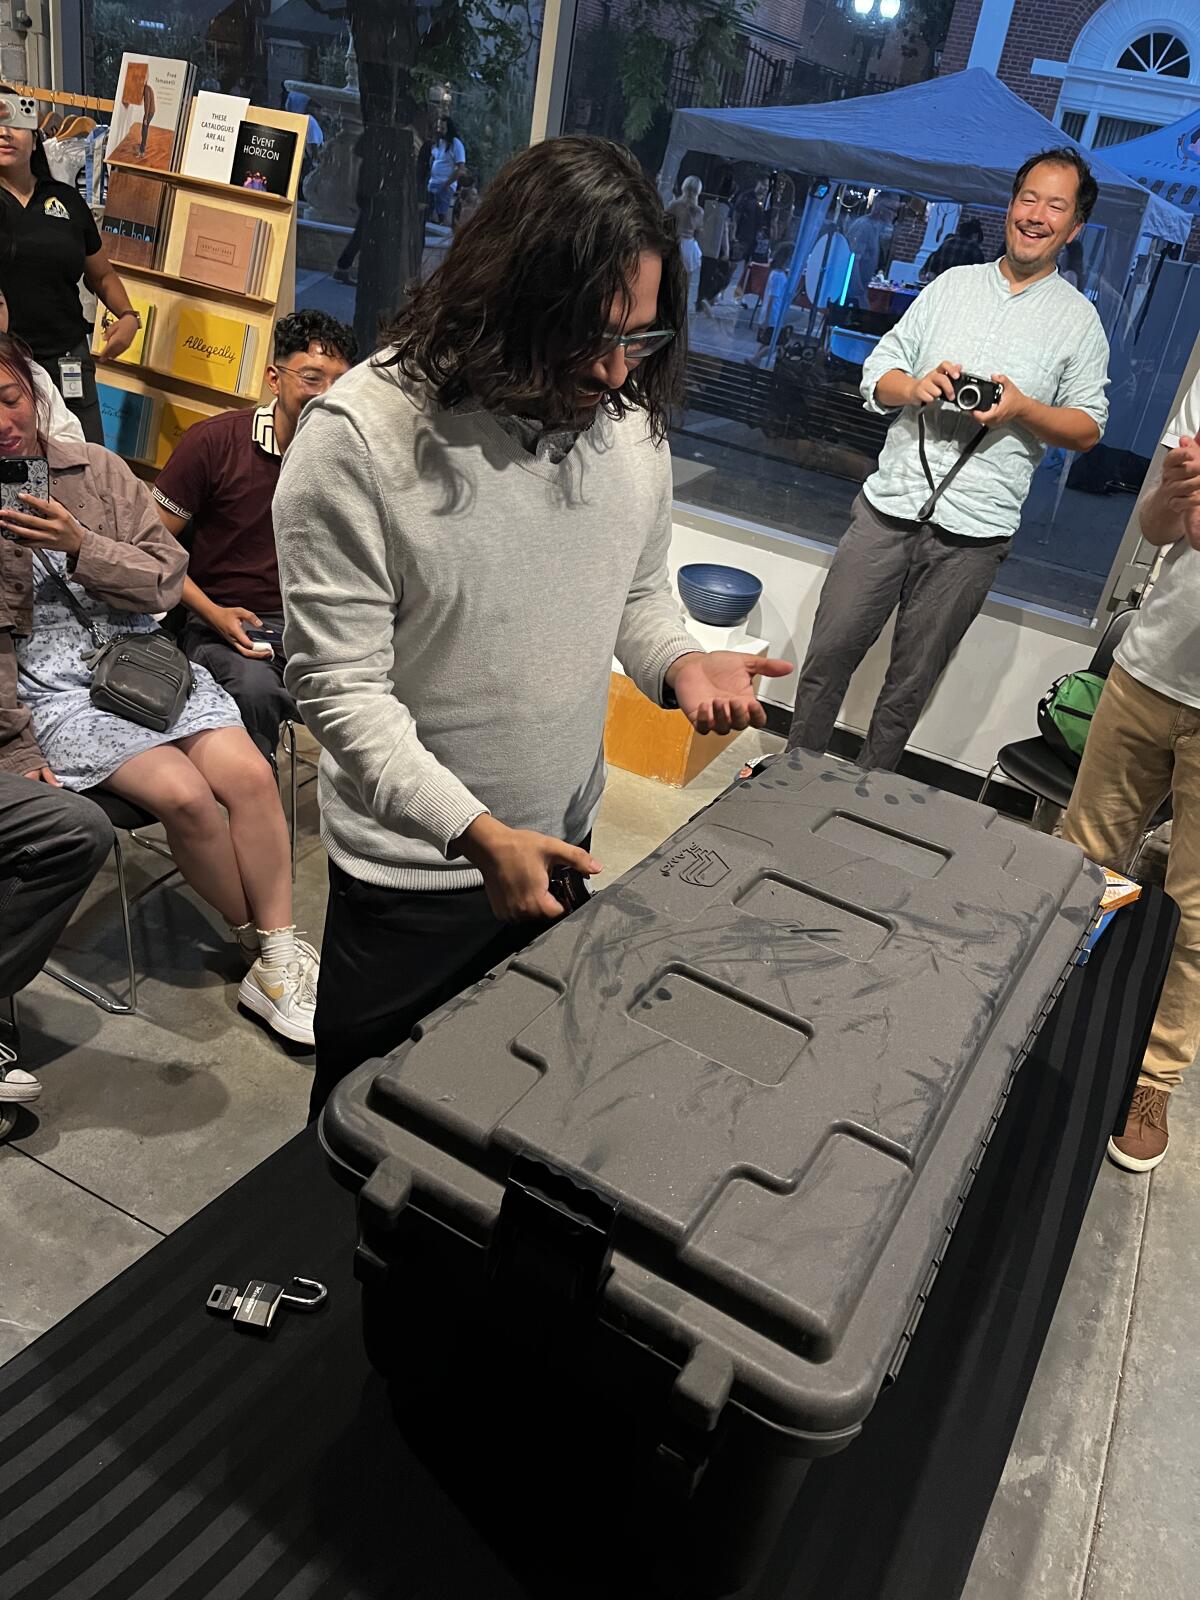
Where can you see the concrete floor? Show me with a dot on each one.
(144, 1119)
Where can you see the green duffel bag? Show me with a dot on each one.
(1065, 713)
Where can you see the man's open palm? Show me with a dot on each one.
(715, 690)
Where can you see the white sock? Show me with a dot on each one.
(236, 929)
(277, 946)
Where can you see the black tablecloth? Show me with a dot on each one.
(148, 1450)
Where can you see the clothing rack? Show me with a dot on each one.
(57, 97)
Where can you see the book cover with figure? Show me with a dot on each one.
(150, 113)
(263, 158)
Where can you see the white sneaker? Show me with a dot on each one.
(17, 1087)
(284, 997)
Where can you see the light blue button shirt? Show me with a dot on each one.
(1048, 339)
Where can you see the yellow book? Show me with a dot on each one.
(136, 354)
(217, 352)
(173, 424)
(1118, 891)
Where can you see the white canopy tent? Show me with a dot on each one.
(961, 138)
(1167, 161)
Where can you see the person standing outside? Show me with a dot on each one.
(936, 519)
(447, 163)
(688, 216)
(219, 482)
(470, 526)
(869, 238)
(48, 240)
(1143, 745)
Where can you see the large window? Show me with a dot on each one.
(412, 110)
(774, 432)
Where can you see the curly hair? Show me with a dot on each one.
(524, 299)
(295, 332)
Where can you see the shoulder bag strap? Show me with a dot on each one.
(77, 611)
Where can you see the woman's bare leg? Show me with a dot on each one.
(165, 782)
(241, 779)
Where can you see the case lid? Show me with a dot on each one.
(778, 1045)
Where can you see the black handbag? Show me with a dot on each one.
(143, 677)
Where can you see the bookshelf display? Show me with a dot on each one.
(206, 345)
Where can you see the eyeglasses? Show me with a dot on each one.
(310, 379)
(637, 346)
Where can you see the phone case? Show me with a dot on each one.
(35, 481)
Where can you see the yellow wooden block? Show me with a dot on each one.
(643, 738)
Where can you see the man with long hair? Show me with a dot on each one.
(470, 525)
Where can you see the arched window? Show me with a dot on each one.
(1160, 53)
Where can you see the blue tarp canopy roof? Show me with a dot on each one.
(1167, 161)
(961, 137)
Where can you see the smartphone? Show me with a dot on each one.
(269, 641)
(22, 475)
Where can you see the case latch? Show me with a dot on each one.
(552, 1244)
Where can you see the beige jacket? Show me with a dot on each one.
(128, 560)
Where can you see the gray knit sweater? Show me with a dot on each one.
(453, 605)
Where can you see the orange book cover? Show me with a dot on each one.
(218, 248)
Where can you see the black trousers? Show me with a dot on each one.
(391, 956)
(256, 686)
(52, 844)
(87, 407)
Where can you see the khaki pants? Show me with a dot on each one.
(1143, 746)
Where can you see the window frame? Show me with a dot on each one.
(550, 98)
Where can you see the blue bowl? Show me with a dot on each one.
(720, 596)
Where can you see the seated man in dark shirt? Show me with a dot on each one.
(220, 479)
(964, 248)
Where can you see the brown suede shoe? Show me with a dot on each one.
(1144, 1141)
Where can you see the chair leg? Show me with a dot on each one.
(123, 891)
(14, 1022)
(115, 1008)
(987, 782)
(1147, 835)
(289, 744)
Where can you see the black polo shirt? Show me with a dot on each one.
(41, 264)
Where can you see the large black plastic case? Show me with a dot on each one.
(707, 1140)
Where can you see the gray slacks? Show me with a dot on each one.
(936, 581)
(52, 844)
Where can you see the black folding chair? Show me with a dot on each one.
(1036, 767)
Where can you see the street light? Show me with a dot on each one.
(872, 16)
(889, 10)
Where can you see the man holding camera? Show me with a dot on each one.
(989, 366)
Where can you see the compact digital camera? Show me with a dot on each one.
(975, 394)
(18, 111)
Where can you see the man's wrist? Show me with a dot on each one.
(478, 839)
(672, 672)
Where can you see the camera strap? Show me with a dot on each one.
(938, 489)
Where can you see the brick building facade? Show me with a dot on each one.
(1063, 57)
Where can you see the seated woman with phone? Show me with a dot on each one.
(88, 561)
